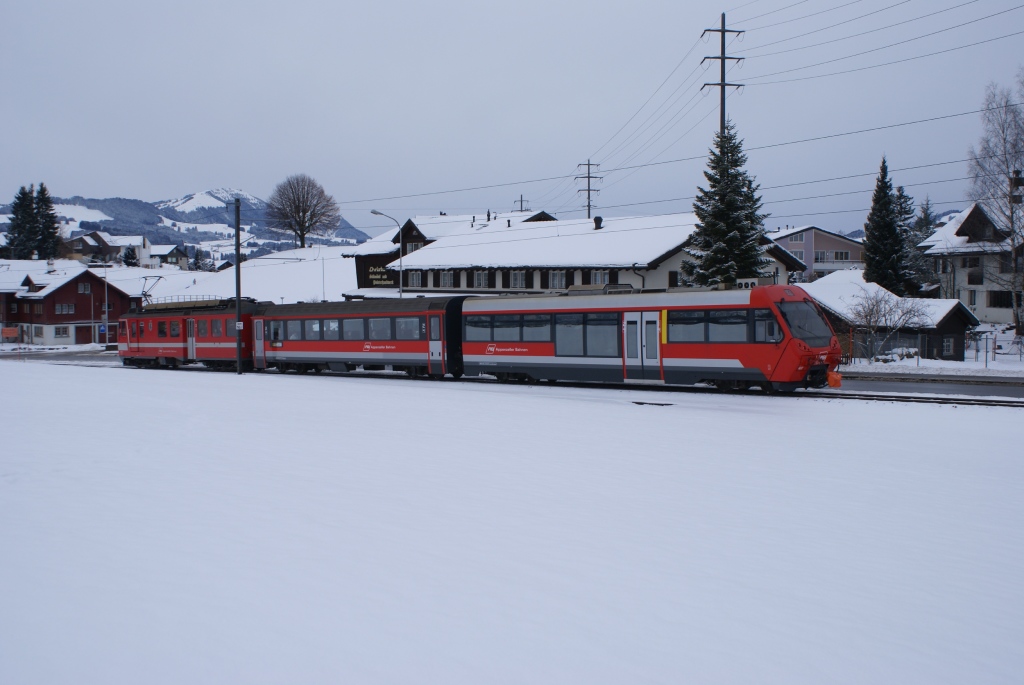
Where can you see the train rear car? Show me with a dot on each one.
(419, 336)
(771, 336)
(176, 331)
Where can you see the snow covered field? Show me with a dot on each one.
(1003, 366)
(173, 527)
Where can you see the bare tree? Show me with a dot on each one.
(881, 314)
(301, 206)
(999, 154)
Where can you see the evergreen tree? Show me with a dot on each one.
(48, 239)
(925, 221)
(200, 261)
(727, 242)
(915, 230)
(21, 235)
(130, 257)
(884, 254)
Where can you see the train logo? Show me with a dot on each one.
(366, 347)
(490, 349)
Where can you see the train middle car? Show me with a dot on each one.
(770, 336)
(417, 335)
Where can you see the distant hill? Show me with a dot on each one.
(856, 235)
(195, 218)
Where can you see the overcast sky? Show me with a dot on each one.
(385, 99)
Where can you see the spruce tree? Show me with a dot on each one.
(48, 238)
(21, 235)
(130, 257)
(884, 254)
(727, 242)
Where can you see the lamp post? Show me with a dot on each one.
(401, 247)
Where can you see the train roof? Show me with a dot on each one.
(384, 306)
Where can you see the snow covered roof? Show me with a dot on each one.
(783, 233)
(444, 226)
(957, 237)
(620, 243)
(162, 250)
(840, 291)
(14, 271)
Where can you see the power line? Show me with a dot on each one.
(806, 16)
(781, 9)
(858, 35)
(832, 26)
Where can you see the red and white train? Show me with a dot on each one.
(774, 337)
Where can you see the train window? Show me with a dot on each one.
(631, 347)
(603, 334)
(651, 339)
(728, 325)
(380, 329)
(203, 328)
(175, 329)
(216, 328)
(687, 327)
(161, 329)
(806, 323)
(478, 328)
(352, 329)
(294, 329)
(407, 328)
(312, 329)
(275, 331)
(435, 328)
(506, 327)
(537, 327)
(122, 329)
(135, 330)
(766, 328)
(229, 328)
(332, 329)
(569, 335)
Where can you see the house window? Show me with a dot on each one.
(61, 332)
(970, 262)
(975, 278)
(673, 279)
(556, 279)
(799, 254)
(412, 247)
(820, 256)
(85, 288)
(798, 238)
(1000, 299)
(480, 279)
(14, 307)
(518, 279)
(942, 266)
(415, 279)
(972, 297)
(78, 245)
(599, 277)
(65, 308)
(842, 255)
(947, 345)
(37, 331)
(447, 279)
(39, 308)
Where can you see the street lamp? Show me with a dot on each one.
(401, 247)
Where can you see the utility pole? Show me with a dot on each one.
(723, 58)
(238, 285)
(589, 176)
(522, 203)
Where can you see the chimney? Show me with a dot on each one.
(510, 223)
(597, 223)
(50, 266)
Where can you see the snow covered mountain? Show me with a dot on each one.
(216, 198)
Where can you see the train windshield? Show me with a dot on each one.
(806, 323)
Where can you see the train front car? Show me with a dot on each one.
(772, 337)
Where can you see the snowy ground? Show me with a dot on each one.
(172, 527)
(1004, 365)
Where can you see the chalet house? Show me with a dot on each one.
(60, 302)
(979, 264)
(553, 256)
(942, 334)
(823, 251)
(172, 255)
(99, 246)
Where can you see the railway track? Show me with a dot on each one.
(959, 400)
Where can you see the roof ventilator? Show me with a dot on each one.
(597, 223)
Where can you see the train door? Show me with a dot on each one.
(190, 338)
(133, 334)
(259, 355)
(641, 348)
(435, 363)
